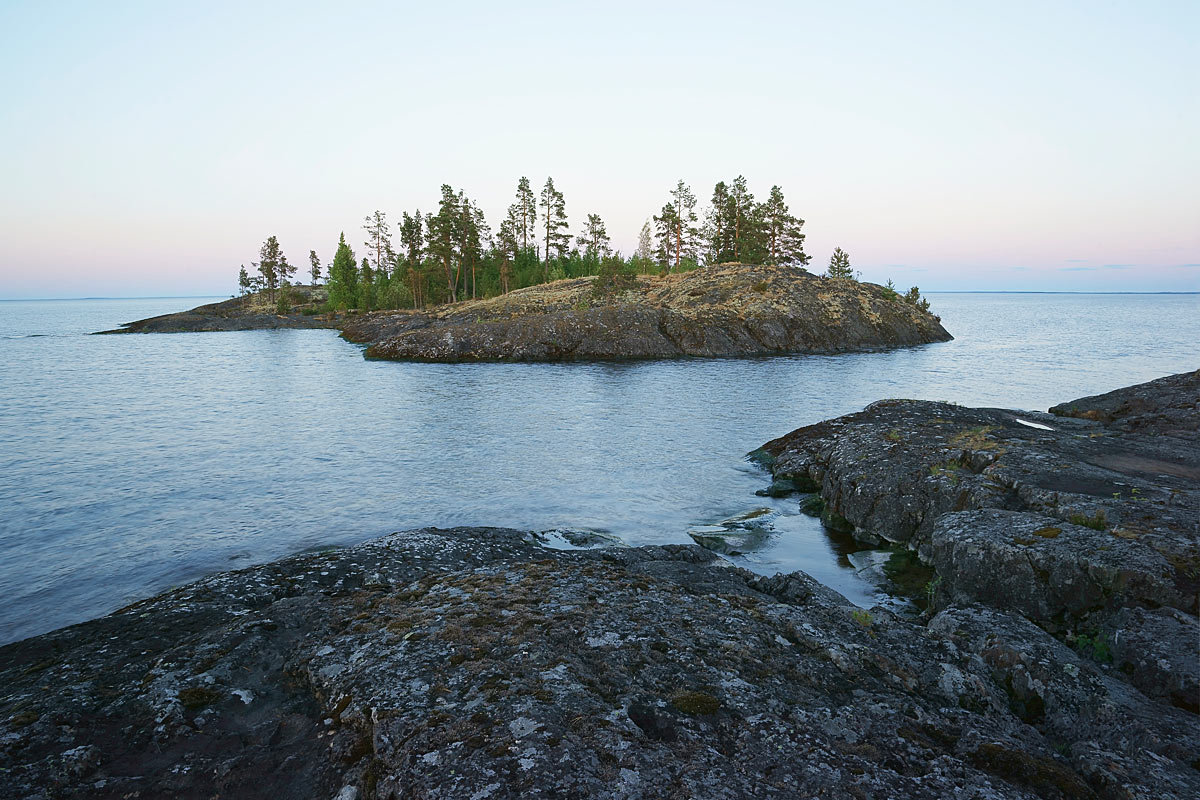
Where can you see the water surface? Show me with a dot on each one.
(129, 464)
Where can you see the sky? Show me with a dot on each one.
(148, 149)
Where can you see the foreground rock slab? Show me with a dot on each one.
(1086, 521)
(893, 472)
(477, 663)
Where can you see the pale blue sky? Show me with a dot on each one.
(149, 148)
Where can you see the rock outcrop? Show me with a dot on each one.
(724, 310)
(238, 314)
(476, 663)
(1085, 522)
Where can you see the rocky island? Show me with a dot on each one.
(721, 310)
(237, 314)
(1057, 657)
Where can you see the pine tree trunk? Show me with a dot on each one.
(737, 235)
(451, 282)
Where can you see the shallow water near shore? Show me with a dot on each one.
(130, 464)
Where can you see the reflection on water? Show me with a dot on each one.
(129, 464)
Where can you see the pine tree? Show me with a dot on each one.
(379, 240)
(343, 277)
(718, 230)
(555, 224)
(681, 229)
(315, 267)
(740, 220)
(595, 241)
(508, 245)
(523, 213)
(244, 284)
(442, 234)
(783, 238)
(645, 253)
(273, 266)
(412, 239)
(473, 232)
(839, 266)
(664, 233)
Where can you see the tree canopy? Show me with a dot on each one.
(453, 253)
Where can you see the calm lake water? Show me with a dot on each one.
(130, 464)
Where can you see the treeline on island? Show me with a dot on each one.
(453, 254)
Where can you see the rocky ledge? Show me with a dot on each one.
(239, 315)
(1084, 522)
(722, 310)
(477, 663)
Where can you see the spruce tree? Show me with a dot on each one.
(839, 265)
(343, 277)
(366, 286)
(555, 224)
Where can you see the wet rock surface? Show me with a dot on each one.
(722, 310)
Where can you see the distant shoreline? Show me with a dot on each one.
(928, 292)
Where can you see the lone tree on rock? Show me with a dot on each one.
(839, 265)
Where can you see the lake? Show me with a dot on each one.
(131, 464)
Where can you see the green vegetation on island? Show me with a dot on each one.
(430, 259)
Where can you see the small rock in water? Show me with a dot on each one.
(780, 487)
